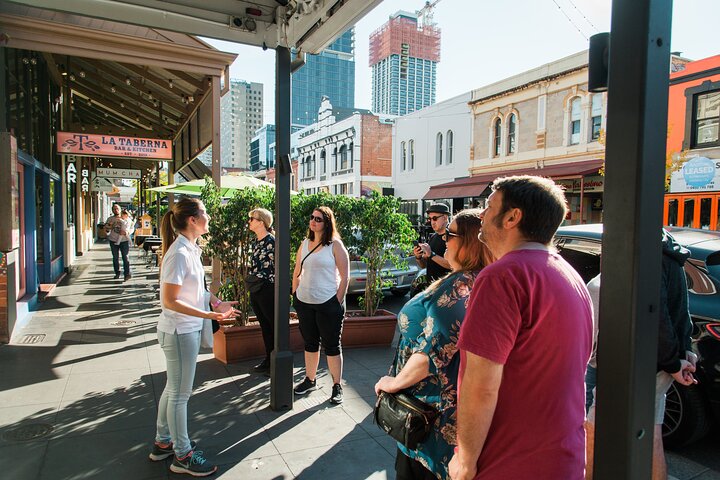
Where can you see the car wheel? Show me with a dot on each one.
(686, 416)
(399, 292)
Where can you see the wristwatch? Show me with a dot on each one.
(215, 304)
(432, 254)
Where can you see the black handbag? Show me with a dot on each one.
(404, 417)
(254, 284)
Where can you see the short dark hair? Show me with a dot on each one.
(541, 201)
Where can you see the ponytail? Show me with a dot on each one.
(176, 220)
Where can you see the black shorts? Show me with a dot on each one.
(321, 323)
(407, 468)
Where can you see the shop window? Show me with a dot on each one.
(672, 218)
(450, 141)
(439, 149)
(511, 127)
(575, 120)
(706, 120)
(596, 116)
(497, 137)
(688, 212)
(705, 212)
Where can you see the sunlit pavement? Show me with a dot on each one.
(80, 401)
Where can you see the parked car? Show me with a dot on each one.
(400, 279)
(690, 411)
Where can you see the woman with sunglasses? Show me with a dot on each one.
(427, 363)
(261, 279)
(320, 283)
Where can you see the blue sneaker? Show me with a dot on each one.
(161, 453)
(193, 464)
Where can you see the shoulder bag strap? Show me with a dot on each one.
(305, 257)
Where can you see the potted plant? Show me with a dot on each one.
(383, 235)
(230, 241)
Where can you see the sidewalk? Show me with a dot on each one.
(82, 401)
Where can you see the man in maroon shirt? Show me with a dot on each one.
(524, 346)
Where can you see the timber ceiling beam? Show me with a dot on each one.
(160, 83)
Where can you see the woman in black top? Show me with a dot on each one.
(261, 279)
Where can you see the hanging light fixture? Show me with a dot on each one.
(122, 104)
(150, 95)
(82, 73)
(170, 84)
(127, 81)
(72, 77)
(113, 89)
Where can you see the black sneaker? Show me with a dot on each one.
(306, 386)
(161, 453)
(128, 277)
(262, 367)
(193, 464)
(337, 394)
(117, 275)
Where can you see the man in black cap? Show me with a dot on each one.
(431, 255)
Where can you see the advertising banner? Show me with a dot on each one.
(113, 146)
(698, 174)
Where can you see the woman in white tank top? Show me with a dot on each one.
(320, 284)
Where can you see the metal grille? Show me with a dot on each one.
(28, 432)
(32, 338)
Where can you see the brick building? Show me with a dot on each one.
(347, 152)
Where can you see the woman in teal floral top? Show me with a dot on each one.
(427, 362)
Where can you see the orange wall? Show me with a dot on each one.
(676, 101)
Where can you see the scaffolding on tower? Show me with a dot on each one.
(404, 35)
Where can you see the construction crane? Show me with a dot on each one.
(425, 14)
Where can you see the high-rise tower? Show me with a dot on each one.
(330, 74)
(404, 54)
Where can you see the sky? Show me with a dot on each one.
(486, 41)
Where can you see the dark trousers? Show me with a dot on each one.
(263, 304)
(124, 249)
(407, 468)
(321, 323)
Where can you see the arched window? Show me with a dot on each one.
(497, 137)
(596, 116)
(323, 162)
(403, 157)
(439, 149)
(351, 153)
(450, 142)
(343, 157)
(412, 154)
(511, 127)
(575, 120)
(334, 159)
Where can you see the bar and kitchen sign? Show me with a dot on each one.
(113, 146)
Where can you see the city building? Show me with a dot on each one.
(693, 146)
(261, 154)
(347, 152)
(430, 147)
(331, 74)
(404, 54)
(241, 116)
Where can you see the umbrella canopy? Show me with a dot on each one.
(229, 184)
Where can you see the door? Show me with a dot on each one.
(21, 278)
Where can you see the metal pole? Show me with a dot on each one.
(216, 170)
(4, 96)
(629, 299)
(281, 359)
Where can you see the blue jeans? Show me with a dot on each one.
(181, 352)
(124, 249)
(590, 383)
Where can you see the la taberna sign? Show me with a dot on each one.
(699, 174)
(113, 146)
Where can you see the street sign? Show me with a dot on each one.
(100, 184)
(129, 173)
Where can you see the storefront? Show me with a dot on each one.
(694, 195)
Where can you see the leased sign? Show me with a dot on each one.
(698, 174)
(113, 146)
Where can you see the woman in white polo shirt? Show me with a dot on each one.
(183, 302)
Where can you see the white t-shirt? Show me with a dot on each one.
(181, 265)
(320, 278)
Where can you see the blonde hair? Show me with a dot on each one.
(265, 216)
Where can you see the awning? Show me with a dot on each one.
(474, 186)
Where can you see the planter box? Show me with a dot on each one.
(375, 331)
(233, 344)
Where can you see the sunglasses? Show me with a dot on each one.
(435, 218)
(253, 218)
(317, 219)
(446, 236)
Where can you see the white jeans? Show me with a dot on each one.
(181, 352)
